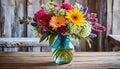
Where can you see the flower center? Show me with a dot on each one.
(75, 17)
(58, 23)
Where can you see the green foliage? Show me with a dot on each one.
(43, 37)
(52, 38)
(88, 39)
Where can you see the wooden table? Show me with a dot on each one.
(43, 60)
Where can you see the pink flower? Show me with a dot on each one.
(92, 17)
(98, 27)
(40, 14)
(67, 6)
(94, 20)
(55, 5)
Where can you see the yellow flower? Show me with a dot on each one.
(75, 16)
(57, 22)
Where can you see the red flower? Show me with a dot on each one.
(40, 14)
(46, 19)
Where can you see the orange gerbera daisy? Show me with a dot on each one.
(56, 22)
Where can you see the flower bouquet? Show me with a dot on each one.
(53, 21)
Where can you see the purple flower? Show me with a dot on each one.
(92, 35)
(34, 24)
(42, 30)
(84, 10)
(34, 20)
(61, 30)
(92, 17)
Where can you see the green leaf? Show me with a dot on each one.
(52, 38)
(88, 41)
(43, 37)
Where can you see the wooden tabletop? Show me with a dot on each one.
(43, 60)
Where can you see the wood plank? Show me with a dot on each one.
(17, 28)
(19, 42)
(82, 2)
(58, 1)
(34, 49)
(1, 20)
(8, 14)
(56, 67)
(46, 49)
(23, 49)
(48, 54)
(0, 49)
(98, 60)
(113, 42)
(51, 65)
(101, 11)
(76, 60)
(11, 50)
(116, 16)
(70, 1)
(104, 23)
(114, 39)
(8, 8)
(109, 16)
(32, 7)
(11, 11)
(45, 1)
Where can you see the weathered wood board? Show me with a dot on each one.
(81, 60)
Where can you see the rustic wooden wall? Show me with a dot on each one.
(12, 9)
(113, 17)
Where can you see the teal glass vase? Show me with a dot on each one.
(62, 50)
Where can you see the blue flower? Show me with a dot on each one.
(92, 35)
(84, 10)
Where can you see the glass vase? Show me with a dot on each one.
(62, 50)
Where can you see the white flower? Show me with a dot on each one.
(77, 5)
(62, 12)
(86, 29)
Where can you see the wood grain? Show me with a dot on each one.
(58, 1)
(113, 41)
(19, 42)
(116, 16)
(1, 20)
(81, 60)
(109, 16)
(71, 1)
(32, 7)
